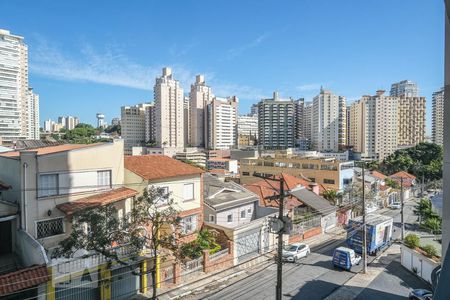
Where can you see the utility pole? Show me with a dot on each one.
(403, 205)
(280, 198)
(364, 237)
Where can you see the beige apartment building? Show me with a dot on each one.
(200, 96)
(330, 173)
(373, 121)
(134, 121)
(169, 111)
(328, 122)
(222, 123)
(410, 121)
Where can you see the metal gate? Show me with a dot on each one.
(124, 283)
(248, 244)
(84, 287)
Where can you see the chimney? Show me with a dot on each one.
(314, 188)
(380, 92)
(167, 71)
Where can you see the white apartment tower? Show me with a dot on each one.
(169, 111)
(307, 120)
(133, 123)
(222, 123)
(404, 88)
(33, 115)
(18, 106)
(328, 127)
(200, 96)
(437, 127)
(374, 127)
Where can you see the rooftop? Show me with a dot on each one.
(50, 149)
(318, 203)
(152, 167)
(23, 279)
(403, 174)
(105, 198)
(221, 195)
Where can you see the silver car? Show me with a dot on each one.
(293, 252)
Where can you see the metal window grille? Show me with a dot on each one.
(49, 227)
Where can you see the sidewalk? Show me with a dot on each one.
(352, 288)
(211, 281)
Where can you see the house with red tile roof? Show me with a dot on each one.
(50, 184)
(183, 181)
(408, 181)
(304, 200)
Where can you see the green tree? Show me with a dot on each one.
(205, 240)
(423, 209)
(433, 224)
(392, 183)
(412, 241)
(332, 196)
(153, 224)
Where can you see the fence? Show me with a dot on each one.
(192, 266)
(300, 226)
(167, 274)
(218, 254)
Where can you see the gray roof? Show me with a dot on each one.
(221, 195)
(318, 203)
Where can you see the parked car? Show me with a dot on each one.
(345, 258)
(396, 205)
(294, 252)
(420, 294)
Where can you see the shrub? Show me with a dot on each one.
(412, 241)
(430, 250)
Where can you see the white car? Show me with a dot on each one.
(396, 205)
(294, 252)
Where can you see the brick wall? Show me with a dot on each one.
(306, 235)
(221, 263)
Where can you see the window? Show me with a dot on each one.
(347, 181)
(49, 228)
(188, 191)
(230, 218)
(211, 218)
(104, 178)
(243, 214)
(189, 224)
(246, 173)
(328, 181)
(249, 210)
(48, 185)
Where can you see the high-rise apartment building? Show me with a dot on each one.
(404, 88)
(254, 109)
(328, 122)
(200, 96)
(115, 121)
(33, 115)
(133, 125)
(373, 121)
(222, 123)
(437, 130)
(348, 125)
(299, 109)
(276, 121)
(18, 104)
(307, 120)
(169, 111)
(187, 119)
(410, 121)
(71, 122)
(150, 125)
(247, 129)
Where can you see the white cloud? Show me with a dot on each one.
(111, 67)
(232, 53)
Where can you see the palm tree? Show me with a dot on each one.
(332, 196)
(423, 209)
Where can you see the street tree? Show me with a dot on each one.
(152, 227)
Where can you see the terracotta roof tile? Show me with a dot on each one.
(51, 149)
(403, 174)
(152, 167)
(97, 200)
(23, 279)
(378, 175)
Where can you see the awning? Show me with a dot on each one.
(97, 200)
(310, 199)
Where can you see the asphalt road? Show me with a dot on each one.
(311, 278)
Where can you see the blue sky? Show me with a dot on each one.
(95, 56)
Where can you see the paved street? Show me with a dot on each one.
(314, 277)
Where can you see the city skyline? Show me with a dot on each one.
(105, 67)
